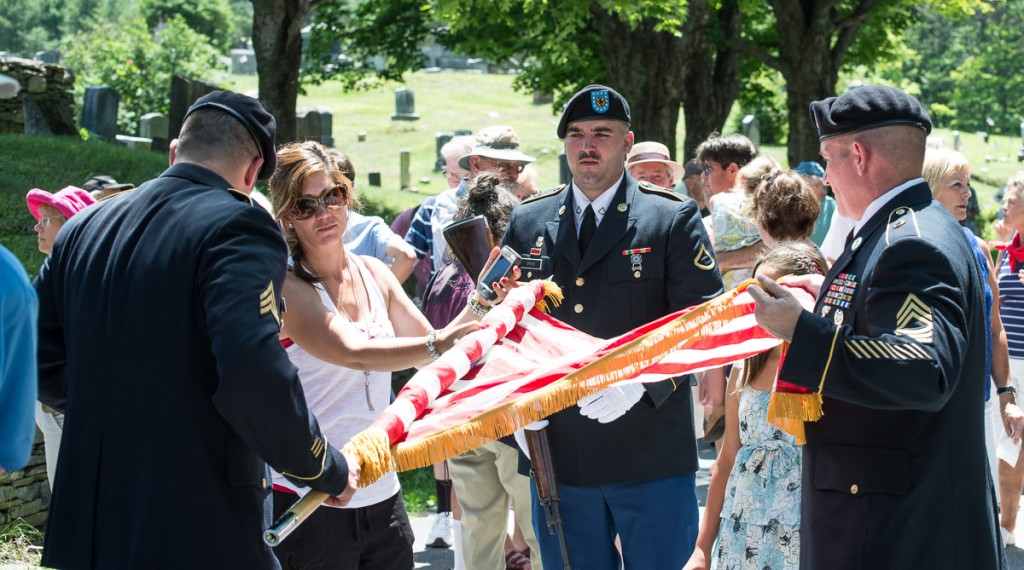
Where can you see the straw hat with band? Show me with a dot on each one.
(496, 143)
(650, 151)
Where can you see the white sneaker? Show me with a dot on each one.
(440, 535)
(1008, 538)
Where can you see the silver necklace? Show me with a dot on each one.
(359, 307)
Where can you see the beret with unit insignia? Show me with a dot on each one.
(868, 107)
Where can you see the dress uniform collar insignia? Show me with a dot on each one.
(561, 210)
(856, 243)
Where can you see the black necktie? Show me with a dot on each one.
(587, 229)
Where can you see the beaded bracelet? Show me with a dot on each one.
(476, 307)
(431, 347)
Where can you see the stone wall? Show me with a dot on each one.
(26, 494)
(46, 103)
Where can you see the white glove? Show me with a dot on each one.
(611, 403)
(520, 435)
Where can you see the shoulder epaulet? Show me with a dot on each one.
(648, 188)
(545, 194)
(901, 222)
(241, 196)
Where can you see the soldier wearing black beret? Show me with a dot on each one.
(895, 473)
(158, 336)
(624, 253)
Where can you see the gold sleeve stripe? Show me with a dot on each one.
(876, 349)
(323, 462)
(268, 303)
(856, 350)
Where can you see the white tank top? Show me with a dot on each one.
(338, 395)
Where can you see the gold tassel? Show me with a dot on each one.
(552, 294)
(370, 447)
(788, 411)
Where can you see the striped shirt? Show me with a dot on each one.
(1011, 307)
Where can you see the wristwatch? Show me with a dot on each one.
(1007, 390)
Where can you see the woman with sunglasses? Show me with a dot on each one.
(348, 325)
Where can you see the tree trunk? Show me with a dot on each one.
(649, 69)
(713, 83)
(812, 47)
(277, 41)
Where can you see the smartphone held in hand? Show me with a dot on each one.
(502, 268)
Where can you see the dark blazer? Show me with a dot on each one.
(895, 473)
(650, 256)
(159, 316)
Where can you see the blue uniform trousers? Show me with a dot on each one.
(657, 522)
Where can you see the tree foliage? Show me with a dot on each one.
(28, 26)
(211, 18)
(138, 64)
(968, 65)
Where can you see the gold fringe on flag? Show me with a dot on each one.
(372, 448)
(552, 294)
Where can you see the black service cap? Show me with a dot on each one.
(260, 124)
(594, 102)
(868, 107)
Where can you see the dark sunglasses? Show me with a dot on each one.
(706, 168)
(331, 199)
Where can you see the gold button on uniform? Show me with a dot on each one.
(579, 281)
(264, 482)
(854, 489)
(578, 308)
(636, 274)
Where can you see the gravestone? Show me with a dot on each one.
(361, 136)
(542, 98)
(154, 126)
(956, 141)
(49, 56)
(307, 126)
(184, 92)
(564, 174)
(243, 61)
(440, 139)
(326, 126)
(99, 112)
(752, 129)
(405, 105)
(404, 159)
(374, 179)
(983, 135)
(135, 143)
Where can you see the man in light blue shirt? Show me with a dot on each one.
(19, 310)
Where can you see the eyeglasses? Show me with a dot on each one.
(505, 165)
(331, 199)
(47, 220)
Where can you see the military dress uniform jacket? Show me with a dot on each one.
(649, 257)
(895, 473)
(159, 321)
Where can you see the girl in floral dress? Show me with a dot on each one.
(753, 504)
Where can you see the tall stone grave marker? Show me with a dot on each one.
(154, 126)
(99, 112)
(752, 129)
(405, 105)
(184, 92)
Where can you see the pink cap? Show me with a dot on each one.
(69, 201)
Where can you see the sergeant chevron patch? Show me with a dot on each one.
(268, 303)
(914, 320)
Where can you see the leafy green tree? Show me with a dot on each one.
(138, 64)
(212, 18)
